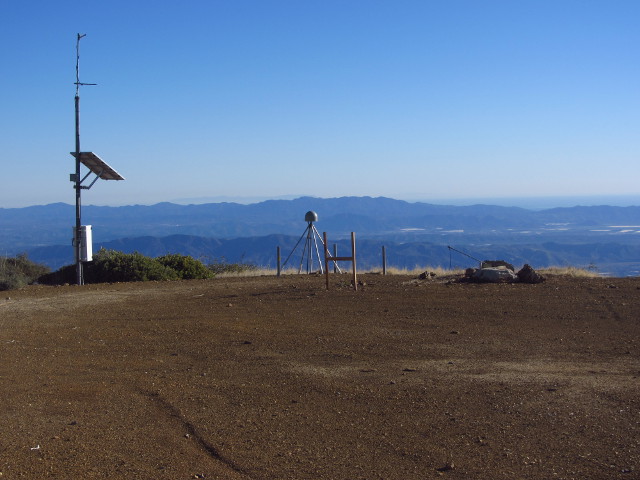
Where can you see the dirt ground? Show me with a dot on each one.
(277, 378)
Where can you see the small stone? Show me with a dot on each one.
(448, 466)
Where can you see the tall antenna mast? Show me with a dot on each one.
(77, 233)
(82, 234)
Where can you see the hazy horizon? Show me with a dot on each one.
(530, 203)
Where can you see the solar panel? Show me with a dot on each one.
(98, 166)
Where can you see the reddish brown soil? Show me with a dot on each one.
(276, 378)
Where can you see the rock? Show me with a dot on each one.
(470, 272)
(497, 263)
(493, 275)
(529, 275)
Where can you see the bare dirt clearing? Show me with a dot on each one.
(274, 378)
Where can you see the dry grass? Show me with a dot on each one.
(439, 272)
(251, 272)
(258, 272)
(569, 272)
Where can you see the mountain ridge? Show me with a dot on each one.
(382, 220)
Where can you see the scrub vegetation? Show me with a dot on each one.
(110, 266)
(16, 272)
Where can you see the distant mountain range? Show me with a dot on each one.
(413, 233)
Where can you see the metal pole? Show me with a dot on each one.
(309, 254)
(384, 261)
(78, 234)
(335, 254)
(278, 259)
(353, 255)
(294, 248)
(306, 244)
(315, 241)
(326, 263)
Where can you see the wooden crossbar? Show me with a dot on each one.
(328, 258)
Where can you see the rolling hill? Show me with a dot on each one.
(414, 233)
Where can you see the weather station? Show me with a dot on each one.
(82, 237)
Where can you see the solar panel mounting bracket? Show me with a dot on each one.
(97, 166)
(87, 187)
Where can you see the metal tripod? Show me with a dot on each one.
(311, 242)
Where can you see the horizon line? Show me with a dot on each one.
(527, 202)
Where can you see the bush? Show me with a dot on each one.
(19, 271)
(113, 266)
(187, 268)
(61, 276)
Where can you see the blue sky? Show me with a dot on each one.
(418, 100)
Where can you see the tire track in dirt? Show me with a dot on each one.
(609, 306)
(209, 449)
(606, 302)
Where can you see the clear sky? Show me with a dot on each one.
(410, 99)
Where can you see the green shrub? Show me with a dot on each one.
(19, 271)
(11, 280)
(113, 266)
(110, 266)
(61, 276)
(187, 268)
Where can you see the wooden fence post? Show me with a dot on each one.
(353, 259)
(328, 258)
(384, 261)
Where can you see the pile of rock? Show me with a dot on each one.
(499, 271)
(426, 275)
